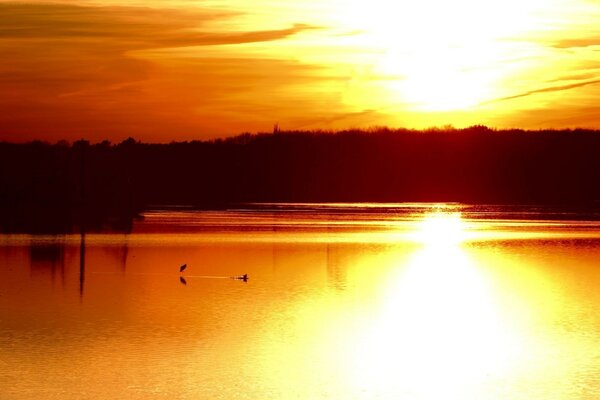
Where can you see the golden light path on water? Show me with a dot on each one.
(438, 333)
(440, 322)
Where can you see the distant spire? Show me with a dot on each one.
(276, 128)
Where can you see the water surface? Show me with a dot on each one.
(343, 302)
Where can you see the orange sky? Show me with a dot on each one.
(163, 70)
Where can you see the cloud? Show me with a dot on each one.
(69, 71)
(556, 88)
(51, 21)
(577, 43)
(578, 76)
(332, 119)
(555, 116)
(136, 27)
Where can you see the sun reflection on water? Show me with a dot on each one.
(438, 333)
(441, 229)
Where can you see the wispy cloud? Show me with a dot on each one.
(556, 88)
(577, 43)
(553, 116)
(74, 70)
(137, 27)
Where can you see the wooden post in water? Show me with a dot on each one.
(81, 262)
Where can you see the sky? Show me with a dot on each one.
(165, 70)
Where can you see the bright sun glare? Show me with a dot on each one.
(438, 322)
(439, 55)
(441, 229)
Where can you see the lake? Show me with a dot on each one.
(343, 301)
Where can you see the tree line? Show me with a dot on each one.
(473, 165)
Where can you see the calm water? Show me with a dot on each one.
(343, 302)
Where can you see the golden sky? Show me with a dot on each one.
(163, 70)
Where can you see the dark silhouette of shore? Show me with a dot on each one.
(58, 186)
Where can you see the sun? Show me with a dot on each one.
(439, 55)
